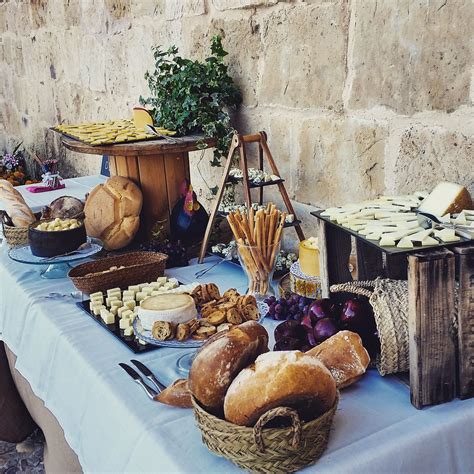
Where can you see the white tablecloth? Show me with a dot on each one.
(71, 363)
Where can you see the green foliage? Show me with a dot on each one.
(192, 96)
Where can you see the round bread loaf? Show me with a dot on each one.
(221, 358)
(345, 357)
(112, 212)
(285, 378)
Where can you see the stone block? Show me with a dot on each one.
(38, 13)
(235, 4)
(142, 8)
(411, 56)
(92, 60)
(117, 9)
(430, 154)
(304, 56)
(93, 17)
(175, 9)
(339, 160)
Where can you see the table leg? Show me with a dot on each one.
(431, 328)
(465, 310)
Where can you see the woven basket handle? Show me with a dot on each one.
(363, 288)
(273, 413)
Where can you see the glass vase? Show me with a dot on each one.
(259, 265)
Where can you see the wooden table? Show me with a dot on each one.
(157, 166)
(440, 289)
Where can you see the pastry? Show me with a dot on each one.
(176, 308)
(16, 207)
(221, 358)
(286, 378)
(345, 357)
(112, 212)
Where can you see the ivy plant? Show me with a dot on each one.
(191, 96)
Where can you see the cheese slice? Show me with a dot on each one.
(175, 308)
(387, 242)
(460, 219)
(405, 244)
(429, 241)
(420, 236)
(446, 197)
(447, 235)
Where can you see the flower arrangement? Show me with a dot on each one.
(12, 167)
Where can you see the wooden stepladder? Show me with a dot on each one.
(238, 143)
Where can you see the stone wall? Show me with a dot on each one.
(358, 97)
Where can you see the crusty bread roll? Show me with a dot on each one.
(112, 212)
(284, 378)
(345, 357)
(177, 395)
(16, 207)
(221, 358)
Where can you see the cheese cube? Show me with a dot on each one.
(128, 331)
(96, 309)
(126, 314)
(130, 304)
(97, 294)
(155, 285)
(109, 299)
(122, 310)
(128, 293)
(173, 282)
(135, 310)
(97, 300)
(109, 318)
(128, 298)
(114, 310)
(124, 323)
(134, 288)
(113, 290)
(162, 280)
(116, 304)
(140, 296)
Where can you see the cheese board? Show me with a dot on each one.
(390, 250)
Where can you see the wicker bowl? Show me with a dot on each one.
(140, 267)
(15, 236)
(267, 450)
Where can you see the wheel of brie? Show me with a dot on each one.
(174, 308)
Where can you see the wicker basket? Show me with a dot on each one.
(15, 236)
(389, 300)
(140, 267)
(269, 450)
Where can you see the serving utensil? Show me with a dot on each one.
(426, 221)
(148, 374)
(230, 255)
(152, 394)
(84, 248)
(54, 295)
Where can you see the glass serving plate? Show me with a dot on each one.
(57, 267)
(185, 361)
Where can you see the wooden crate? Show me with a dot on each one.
(441, 355)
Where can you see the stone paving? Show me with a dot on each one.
(29, 460)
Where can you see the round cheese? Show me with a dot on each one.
(174, 308)
(304, 285)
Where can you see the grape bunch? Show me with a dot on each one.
(177, 254)
(281, 309)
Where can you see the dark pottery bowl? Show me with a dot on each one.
(52, 243)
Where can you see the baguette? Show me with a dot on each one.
(177, 395)
(16, 207)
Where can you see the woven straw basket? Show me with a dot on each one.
(15, 236)
(389, 300)
(267, 450)
(140, 267)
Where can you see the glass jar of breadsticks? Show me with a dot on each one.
(258, 236)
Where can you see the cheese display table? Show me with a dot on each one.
(71, 364)
(157, 166)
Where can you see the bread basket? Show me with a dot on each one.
(15, 236)
(267, 450)
(140, 267)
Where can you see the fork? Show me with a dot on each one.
(227, 258)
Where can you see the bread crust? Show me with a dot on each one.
(16, 207)
(221, 358)
(284, 378)
(345, 357)
(177, 395)
(112, 212)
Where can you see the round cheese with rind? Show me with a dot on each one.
(174, 308)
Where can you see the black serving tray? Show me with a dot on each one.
(388, 250)
(130, 341)
(253, 185)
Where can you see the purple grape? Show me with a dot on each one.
(293, 309)
(287, 344)
(310, 337)
(271, 310)
(278, 308)
(289, 328)
(305, 347)
(306, 308)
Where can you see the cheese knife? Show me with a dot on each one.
(148, 374)
(149, 391)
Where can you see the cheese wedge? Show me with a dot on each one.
(447, 197)
(141, 118)
(429, 241)
(405, 244)
(447, 235)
